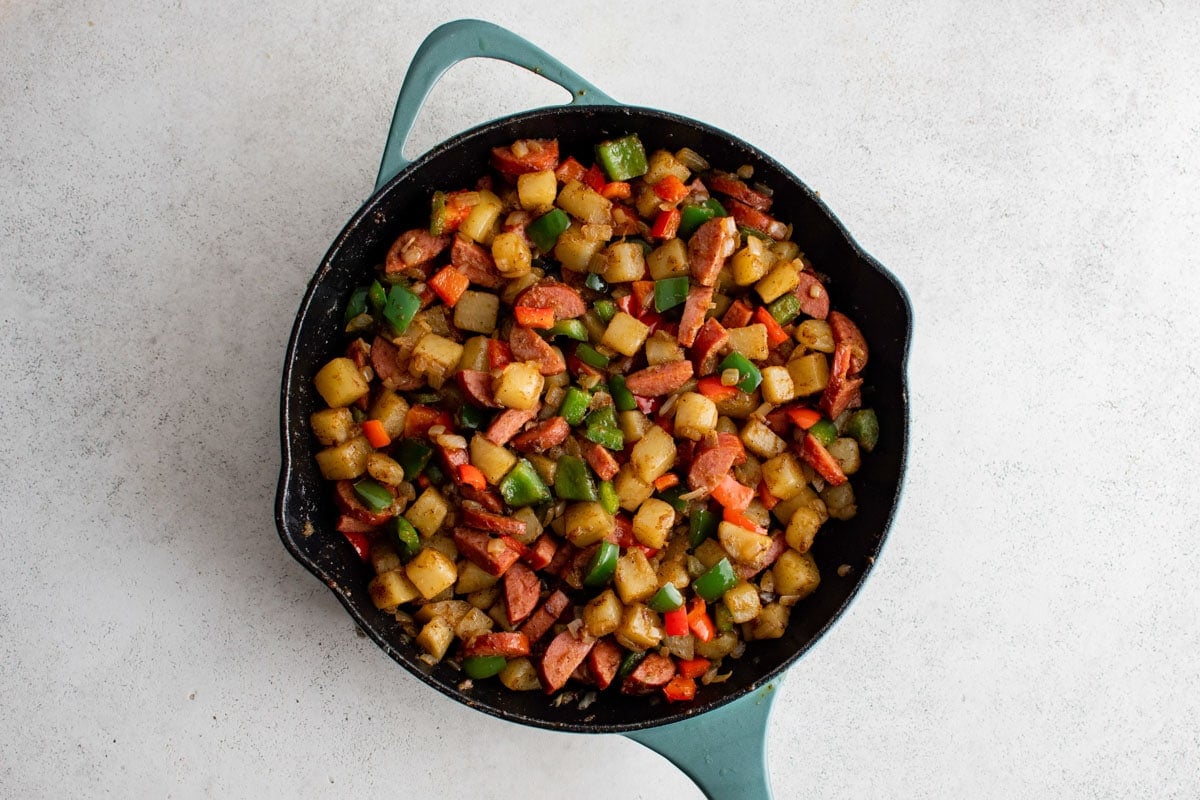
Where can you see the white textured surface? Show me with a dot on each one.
(171, 174)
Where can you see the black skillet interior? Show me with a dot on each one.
(859, 286)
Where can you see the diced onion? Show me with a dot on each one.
(745, 172)
(730, 377)
(520, 148)
(691, 159)
(452, 441)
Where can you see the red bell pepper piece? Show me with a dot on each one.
(765, 497)
(742, 521)
(820, 459)
(499, 354)
(666, 224)
(472, 476)
(731, 494)
(542, 318)
(738, 315)
(624, 531)
(421, 418)
(700, 624)
(374, 431)
(617, 190)
(569, 170)
(675, 623)
(666, 480)
(449, 284)
(692, 667)
(594, 178)
(804, 418)
(712, 388)
(680, 689)
(671, 189)
(776, 335)
(360, 543)
(643, 297)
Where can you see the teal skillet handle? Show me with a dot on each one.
(724, 751)
(457, 41)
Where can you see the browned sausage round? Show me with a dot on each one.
(846, 332)
(564, 301)
(813, 297)
(542, 620)
(698, 301)
(660, 378)
(493, 556)
(528, 346)
(349, 503)
(604, 661)
(602, 462)
(503, 643)
(507, 424)
(841, 392)
(562, 656)
(385, 360)
(542, 436)
(653, 673)
(732, 186)
(414, 248)
(493, 523)
(712, 460)
(708, 248)
(539, 554)
(709, 347)
(477, 386)
(521, 590)
(476, 263)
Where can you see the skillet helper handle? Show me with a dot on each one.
(457, 41)
(724, 751)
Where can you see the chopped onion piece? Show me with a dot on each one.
(730, 377)
(691, 159)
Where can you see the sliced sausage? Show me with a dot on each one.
(477, 386)
(493, 523)
(358, 352)
(712, 459)
(525, 155)
(602, 462)
(452, 458)
(753, 218)
(820, 459)
(542, 620)
(487, 498)
(475, 262)
(710, 345)
(603, 662)
(349, 524)
(841, 392)
(699, 300)
(492, 555)
(652, 674)
(508, 424)
(543, 436)
(733, 186)
(521, 590)
(501, 643)
(813, 297)
(414, 248)
(738, 315)
(539, 554)
(847, 333)
(385, 360)
(766, 558)
(562, 656)
(349, 504)
(563, 300)
(528, 346)
(660, 379)
(708, 248)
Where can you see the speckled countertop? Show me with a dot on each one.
(171, 174)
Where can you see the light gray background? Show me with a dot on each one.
(171, 174)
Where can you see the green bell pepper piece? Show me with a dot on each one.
(406, 539)
(717, 208)
(601, 565)
(611, 438)
(824, 431)
(609, 500)
(722, 618)
(522, 486)
(545, 230)
(437, 214)
(863, 427)
(714, 583)
(413, 456)
(667, 598)
(746, 230)
(373, 495)
(670, 292)
(377, 296)
(480, 667)
(594, 282)
(622, 397)
(702, 525)
(573, 480)
(606, 310)
(692, 217)
(622, 158)
(402, 305)
(574, 405)
(435, 474)
(591, 356)
(673, 497)
(472, 417)
(630, 662)
(785, 309)
(357, 304)
(571, 328)
(749, 376)
(603, 417)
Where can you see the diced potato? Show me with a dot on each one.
(719, 646)
(845, 450)
(810, 373)
(771, 623)
(805, 497)
(492, 460)
(519, 385)
(345, 461)
(332, 425)
(653, 455)
(484, 599)
(640, 628)
(741, 544)
(695, 416)
(511, 253)
(761, 440)
(783, 476)
(392, 588)
(584, 203)
(574, 250)
(756, 512)
(635, 579)
(802, 528)
(796, 574)
(750, 263)
(341, 382)
(777, 386)
(587, 523)
(472, 578)
(435, 637)
(546, 467)
(660, 164)
(450, 610)
(840, 501)
(385, 469)
(625, 334)
(647, 202)
(391, 410)
(742, 602)
(741, 405)
(444, 544)
(483, 218)
(499, 614)
(533, 526)
(652, 523)
(431, 572)
(669, 260)
(749, 472)
(815, 334)
(662, 348)
(624, 262)
(750, 341)
(632, 491)
(778, 282)
(536, 190)
(520, 675)
(633, 424)
(434, 358)
(475, 355)
(476, 312)
(602, 615)
(709, 552)
(428, 512)
(384, 558)
(473, 622)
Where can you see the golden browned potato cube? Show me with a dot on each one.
(390, 589)
(444, 544)
(840, 501)
(475, 354)
(385, 469)
(428, 512)
(431, 572)
(661, 348)
(332, 425)
(695, 416)
(640, 628)
(434, 358)
(634, 424)
(340, 383)
(635, 579)
(796, 574)
(536, 190)
(709, 552)
(473, 622)
(519, 385)
(574, 250)
(511, 253)
(476, 312)
(384, 558)
(647, 202)
(668, 260)
(624, 262)
(675, 573)
(345, 461)
(783, 475)
(533, 526)
(741, 544)
(660, 164)
(484, 599)
(602, 615)
(750, 263)
(472, 578)
(845, 451)
(492, 460)
(435, 637)
(777, 386)
(810, 373)
(815, 334)
(520, 675)
(802, 528)
(450, 610)
(653, 455)
(391, 410)
(742, 602)
(805, 497)
(625, 334)
(741, 405)
(761, 440)
(771, 623)
(587, 523)
(750, 341)
(719, 646)
(483, 219)
(652, 523)
(632, 491)
(584, 203)
(778, 282)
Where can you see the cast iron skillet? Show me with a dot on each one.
(719, 742)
